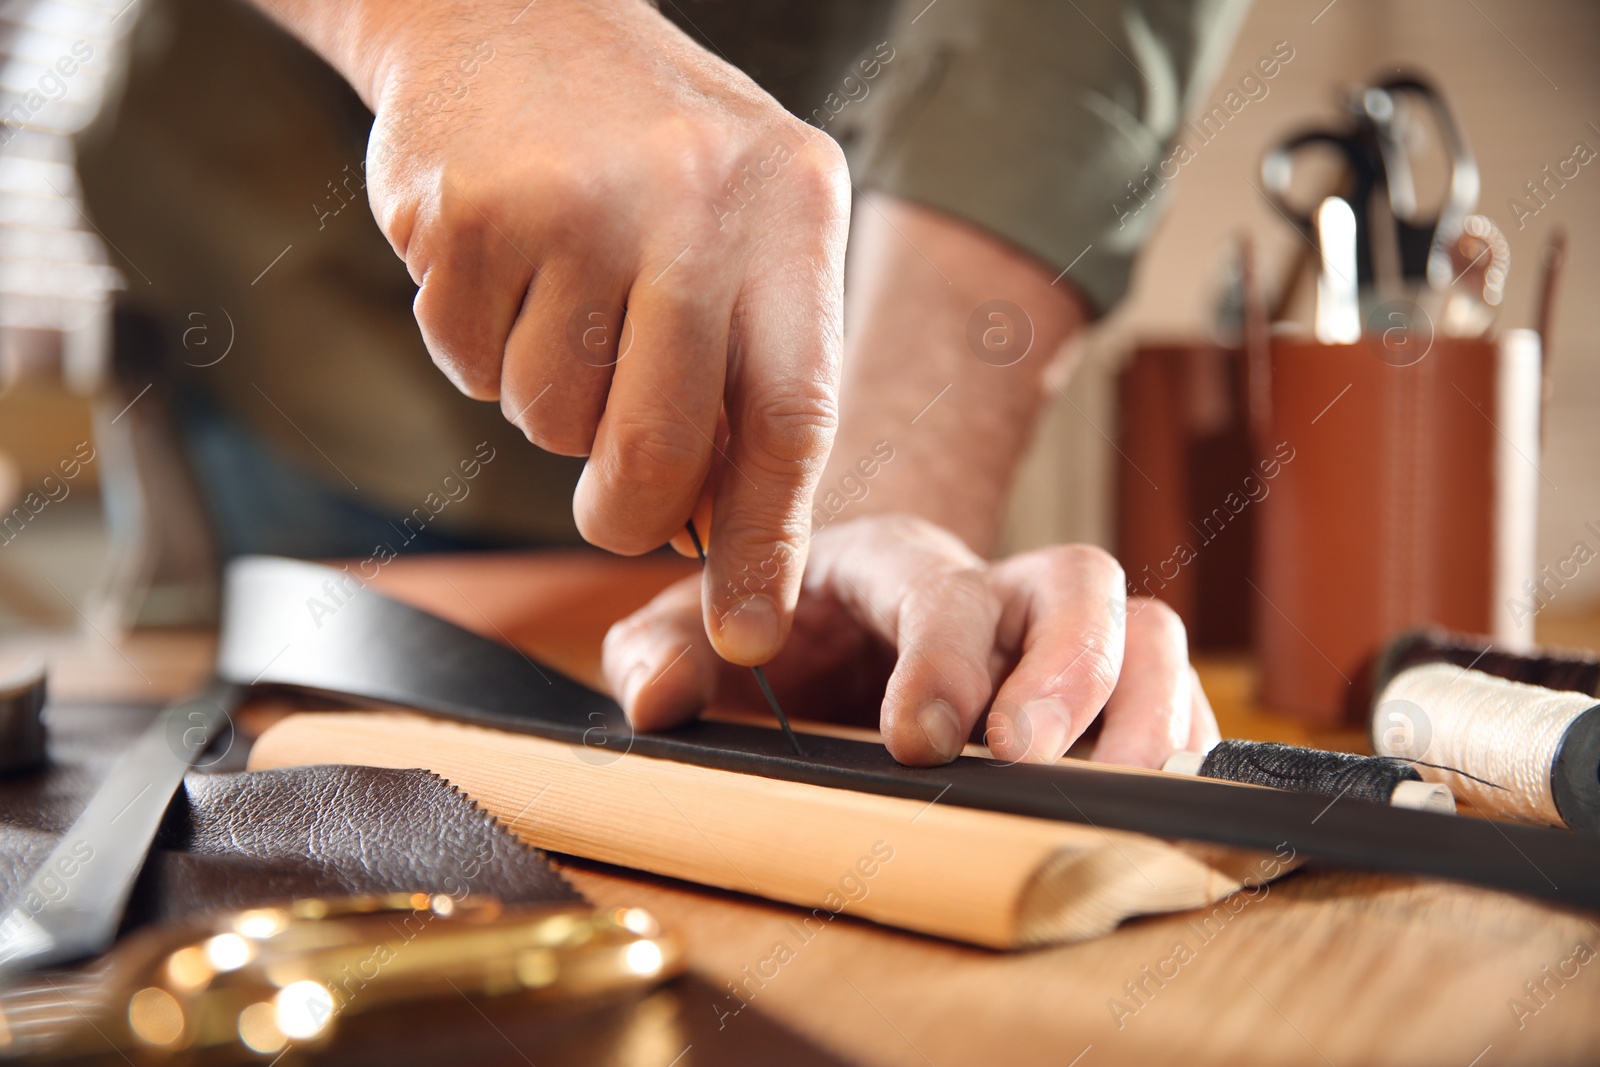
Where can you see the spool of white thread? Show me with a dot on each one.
(1540, 747)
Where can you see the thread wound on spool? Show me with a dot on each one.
(1573, 672)
(1511, 749)
(1308, 770)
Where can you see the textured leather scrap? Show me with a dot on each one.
(237, 840)
(249, 838)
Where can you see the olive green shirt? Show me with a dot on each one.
(228, 177)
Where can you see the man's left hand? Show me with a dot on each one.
(899, 622)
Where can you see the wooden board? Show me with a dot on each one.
(1002, 881)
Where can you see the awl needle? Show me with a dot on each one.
(761, 677)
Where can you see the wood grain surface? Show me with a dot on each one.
(983, 877)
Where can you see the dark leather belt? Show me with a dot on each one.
(277, 630)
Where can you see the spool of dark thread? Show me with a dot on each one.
(1311, 770)
(1568, 765)
(1567, 672)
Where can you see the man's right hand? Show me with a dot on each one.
(601, 161)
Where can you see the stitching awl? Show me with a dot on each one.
(761, 677)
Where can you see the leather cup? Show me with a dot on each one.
(1410, 499)
(1184, 443)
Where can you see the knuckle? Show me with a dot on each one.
(1097, 662)
(906, 530)
(648, 626)
(821, 174)
(470, 376)
(1076, 561)
(620, 635)
(783, 538)
(792, 427)
(688, 153)
(473, 368)
(574, 181)
(963, 593)
(765, 557)
(397, 216)
(462, 212)
(1158, 618)
(562, 437)
(650, 459)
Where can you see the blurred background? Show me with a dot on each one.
(1520, 78)
(1522, 82)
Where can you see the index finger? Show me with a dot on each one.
(782, 406)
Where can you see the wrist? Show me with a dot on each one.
(397, 41)
(409, 49)
(957, 418)
(380, 40)
(374, 44)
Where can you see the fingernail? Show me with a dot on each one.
(1044, 726)
(749, 631)
(942, 727)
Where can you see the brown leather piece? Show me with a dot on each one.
(249, 838)
(237, 840)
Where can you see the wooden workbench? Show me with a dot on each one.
(1325, 967)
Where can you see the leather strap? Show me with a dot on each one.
(283, 626)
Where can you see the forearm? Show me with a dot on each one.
(957, 422)
(350, 35)
(363, 39)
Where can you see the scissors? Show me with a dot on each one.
(1379, 185)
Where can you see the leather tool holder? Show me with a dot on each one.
(1184, 434)
(1405, 494)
